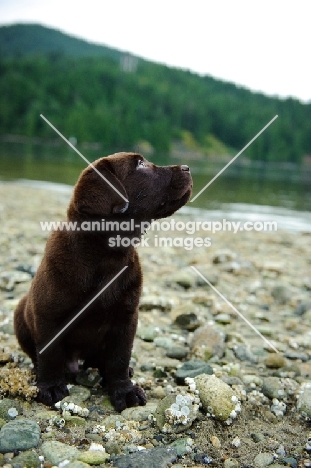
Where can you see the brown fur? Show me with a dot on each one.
(78, 264)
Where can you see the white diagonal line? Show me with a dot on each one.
(236, 310)
(82, 310)
(84, 158)
(233, 159)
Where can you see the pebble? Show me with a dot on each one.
(176, 413)
(182, 446)
(158, 457)
(263, 459)
(297, 356)
(55, 452)
(275, 361)
(147, 333)
(224, 319)
(215, 442)
(257, 437)
(77, 464)
(139, 413)
(187, 321)
(290, 461)
(192, 369)
(155, 302)
(164, 342)
(78, 394)
(28, 459)
(231, 463)
(183, 278)
(208, 341)
(281, 294)
(7, 407)
(303, 307)
(21, 434)
(94, 457)
(304, 401)
(177, 352)
(5, 358)
(217, 398)
(273, 388)
(245, 354)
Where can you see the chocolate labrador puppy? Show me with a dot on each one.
(78, 265)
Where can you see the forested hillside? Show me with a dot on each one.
(100, 95)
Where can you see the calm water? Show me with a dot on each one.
(240, 188)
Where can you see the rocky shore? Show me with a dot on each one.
(220, 392)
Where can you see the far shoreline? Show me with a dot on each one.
(287, 219)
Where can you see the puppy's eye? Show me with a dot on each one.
(141, 163)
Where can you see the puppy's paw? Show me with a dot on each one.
(50, 394)
(126, 396)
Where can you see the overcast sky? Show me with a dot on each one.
(263, 45)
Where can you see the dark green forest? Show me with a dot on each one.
(98, 94)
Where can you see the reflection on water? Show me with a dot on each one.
(251, 184)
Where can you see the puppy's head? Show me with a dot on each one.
(127, 185)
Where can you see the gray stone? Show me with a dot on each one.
(56, 452)
(273, 387)
(177, 352)
(183, 278)
(8, 328)
(79, 394)
(244, 354)
(257, 437)
(187, 321)
(192, 369)
(263, 459)
(155, 302)
(163, 342)
(304, 402)
(182, 446)
(7, 407)
(208, 341)
(21, 434)
(295, 355)
(290, 461)
(303, 307)
(139, 413)
(280, 294)
(77, 464)
(158, 457)
(74, 421)
(224, 319)
(147, 333)
(27, 459)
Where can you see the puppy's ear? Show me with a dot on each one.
(97, 194)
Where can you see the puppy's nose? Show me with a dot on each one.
(185, 168)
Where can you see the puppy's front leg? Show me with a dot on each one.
(51, 374)
(115, 366)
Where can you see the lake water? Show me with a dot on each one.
(245, 191)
